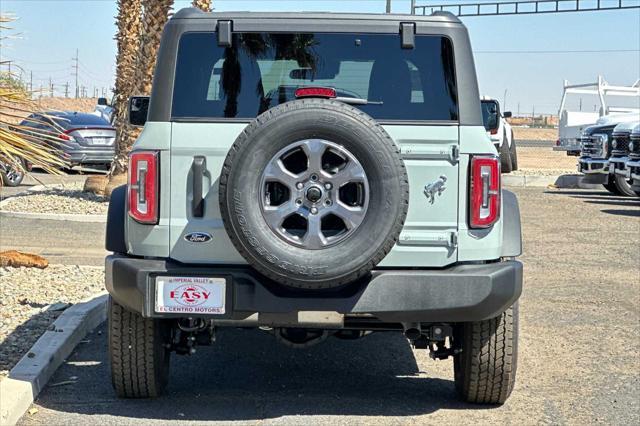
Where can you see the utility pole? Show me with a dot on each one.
(533, 116)
(388, 6)
(66, 89)
(76, 71)
(504, 100)
(31, 81)
(50, 88)
(518, 109)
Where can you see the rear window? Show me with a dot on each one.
(262, 70)
(79, 120)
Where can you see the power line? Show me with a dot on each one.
(558, 51)
(76, 71)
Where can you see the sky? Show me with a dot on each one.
(573, 46)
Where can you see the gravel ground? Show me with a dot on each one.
(541, 172)
(578, 364)
(57, 199)
(31, 299)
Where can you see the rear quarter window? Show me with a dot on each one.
(262, 70)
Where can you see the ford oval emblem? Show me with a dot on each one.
(198, 237)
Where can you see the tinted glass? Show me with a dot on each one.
(261, 71)
(490, 114)
(78, 120)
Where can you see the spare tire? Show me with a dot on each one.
(313, 193)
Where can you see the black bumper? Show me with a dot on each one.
(468, 292)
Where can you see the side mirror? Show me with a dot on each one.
(138, 110)
(507, 114)
(103, 101)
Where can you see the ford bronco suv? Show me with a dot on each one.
(315, 176)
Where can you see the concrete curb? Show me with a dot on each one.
(93, 218)
(32, 372)
(558, 181)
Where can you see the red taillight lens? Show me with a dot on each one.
(64, 137)
(485, 192)
(143, 186)
(315, 92)
(494, 131)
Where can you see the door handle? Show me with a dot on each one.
(197, 171)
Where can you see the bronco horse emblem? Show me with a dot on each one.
(435, 188)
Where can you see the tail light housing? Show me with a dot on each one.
(143, 186)
(484, 203)
(315, 92)
(494, 131)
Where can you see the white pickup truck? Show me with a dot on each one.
(573, 123)
(500, 133)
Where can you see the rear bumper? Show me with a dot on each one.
(89, 156)
(469, 292)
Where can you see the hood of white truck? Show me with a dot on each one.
(617, 118)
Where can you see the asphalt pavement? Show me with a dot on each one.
(579, 361)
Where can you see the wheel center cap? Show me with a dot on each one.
(314, 194)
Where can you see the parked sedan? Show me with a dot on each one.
(86, 139)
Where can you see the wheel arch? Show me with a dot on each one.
(511, 227)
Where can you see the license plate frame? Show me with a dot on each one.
(193, 295)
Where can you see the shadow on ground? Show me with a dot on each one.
(247, 375)
(631, 205)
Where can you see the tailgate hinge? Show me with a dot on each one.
(224, 33)
(408, 34)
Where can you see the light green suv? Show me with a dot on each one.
(317, 176)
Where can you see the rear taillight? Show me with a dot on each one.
(64, 137)
(484, 201)
(143, 186)
(494, 131)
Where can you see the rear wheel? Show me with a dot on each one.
(139, 358)
(505, 156)
(514, 154)
(624, 186)
(485, 369)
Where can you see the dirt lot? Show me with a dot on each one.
(545, 159)
(579, 360)
(526, 133)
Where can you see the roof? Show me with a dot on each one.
(194, 13)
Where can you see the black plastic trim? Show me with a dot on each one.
(465, 292)
(116, 216)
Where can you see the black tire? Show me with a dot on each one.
(611, 186)
(505, 156)
(14, 177)
(624, 186)
(139, 359)
(240, 192)
(485, 369)
(514, 154)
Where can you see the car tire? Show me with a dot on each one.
(139, 358)
(286, 258)
(514, 154)
(505, 156)
(13, 177)
(623, 186)
(485, 367)
(611, 186)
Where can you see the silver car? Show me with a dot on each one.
(85, 139)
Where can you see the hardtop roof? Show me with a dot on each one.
(437, 17)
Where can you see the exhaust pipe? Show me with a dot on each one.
(412, 330)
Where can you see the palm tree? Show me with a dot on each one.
(129, 23)
(202, 4)
(155, 16)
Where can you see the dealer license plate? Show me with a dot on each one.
(190, 295)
